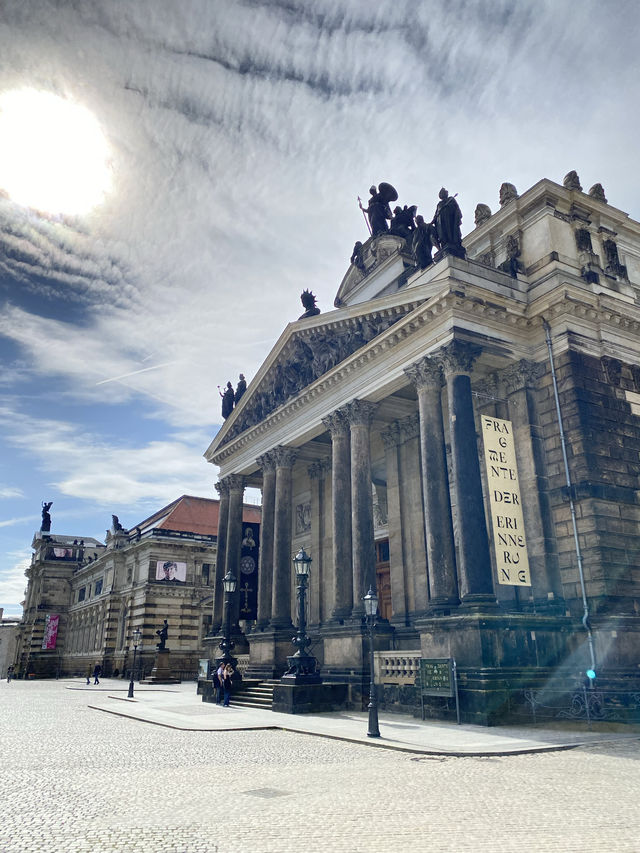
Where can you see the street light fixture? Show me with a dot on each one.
(229, 583)
(135, 639)
(371, 610)
(302, 666)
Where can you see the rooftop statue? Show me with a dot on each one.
(571, 181)
(241, 387)
(309, 304)
(597, 192)
(378, 209)
(227, 400)
(424, 237)
(447, 219)
(482, 214)
(507, 193)
(403, 224)
(46, 517)
(356, 257)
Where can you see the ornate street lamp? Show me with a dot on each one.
(371, 610)
(135, 639)
(229, 584)
(302, 666)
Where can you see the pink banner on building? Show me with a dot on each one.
(50, 631)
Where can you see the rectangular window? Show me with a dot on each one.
(81, 593)
(98, 588)
(205, 574)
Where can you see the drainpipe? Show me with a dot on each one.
(567, 473)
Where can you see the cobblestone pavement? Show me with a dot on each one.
(74, 779)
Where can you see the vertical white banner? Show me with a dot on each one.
(512, 561)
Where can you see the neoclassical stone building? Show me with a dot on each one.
(380, 435)
(90, 596)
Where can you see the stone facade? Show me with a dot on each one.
(398, 412)
(100, 593)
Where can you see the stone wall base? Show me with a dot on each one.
(309, 698)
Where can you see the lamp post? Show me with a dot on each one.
(229, 584)
(302, 666)
(135, 639)
(371, 609)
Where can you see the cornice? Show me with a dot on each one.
(456, 299)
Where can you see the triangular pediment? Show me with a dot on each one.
(306, 351)
(379, 266)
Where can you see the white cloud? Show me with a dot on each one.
(10, 492)
(85, 466)
(13, 582)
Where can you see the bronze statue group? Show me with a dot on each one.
(441, 233)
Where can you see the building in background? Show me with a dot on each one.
(8, 642)
(85, 598)
(411, 440)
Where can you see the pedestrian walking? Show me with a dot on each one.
(219, 683)
(9, 674)
(97, 672)
(89, 673)
(227, 684)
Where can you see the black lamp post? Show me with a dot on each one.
(302, 666)
(229, 583)
(135, 639)
(371, 609)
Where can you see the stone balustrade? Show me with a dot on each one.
(397, 667)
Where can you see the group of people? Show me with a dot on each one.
(224, 683)
(96, 672)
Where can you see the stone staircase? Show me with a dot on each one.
(254, 694)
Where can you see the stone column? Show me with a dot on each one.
(265, 558)
(546, 585)
(222, 489)
(282, 556)
(413, 513)
(426, 376)
(399, 599)
(476, 581)
(234, 536)
(360, 415)
(338, 427)
(317, 579)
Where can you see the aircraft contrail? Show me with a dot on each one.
(135, 372)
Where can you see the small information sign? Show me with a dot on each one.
(436, 676)
(203, 668)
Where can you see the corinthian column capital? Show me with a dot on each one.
(267, 461)
(522, 374)
(336, 423)
(284, 456)
(234, 482)
(458, 357)
(426, 373)
(359, 412)
(222, 488)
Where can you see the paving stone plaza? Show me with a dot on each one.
(78, 779)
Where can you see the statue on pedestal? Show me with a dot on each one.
(424, 239)
(227, 400)
(162, 633)
(46, 517)
(309, 304)
(378, 209)
(447, 219)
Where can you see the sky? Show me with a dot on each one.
(229, 141)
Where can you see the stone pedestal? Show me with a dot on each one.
(309, 698)
(161, 672)
(268, 653)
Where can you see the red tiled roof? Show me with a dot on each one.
(195, 515)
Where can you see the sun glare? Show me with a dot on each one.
(53, 155)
